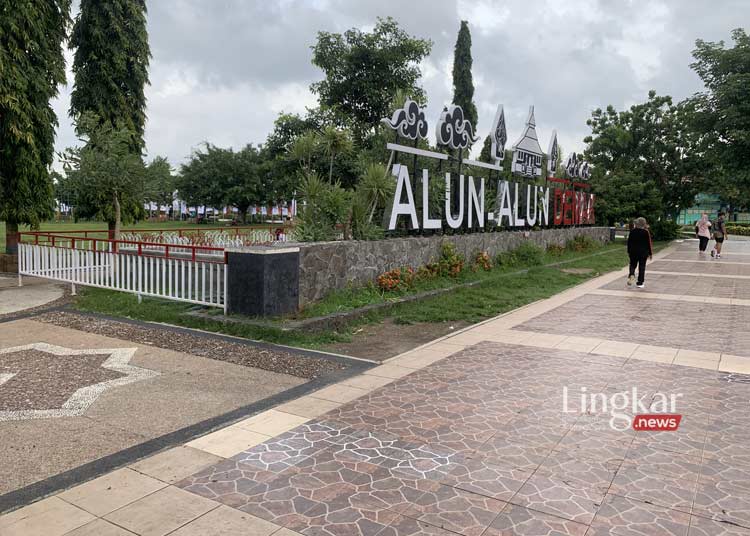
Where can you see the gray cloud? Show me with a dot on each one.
(223, 70)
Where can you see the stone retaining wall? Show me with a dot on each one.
(8, 263)
(326, 266)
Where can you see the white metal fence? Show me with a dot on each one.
(182, 279)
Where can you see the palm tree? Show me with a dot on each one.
(377, 186)
(303, 148)
(334, 142)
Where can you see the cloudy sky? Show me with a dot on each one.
(222, 70)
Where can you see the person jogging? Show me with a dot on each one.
(639, 249)
(703, 232)
(720, 234)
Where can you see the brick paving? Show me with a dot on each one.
(707, 327)
(478, 444)
(692, 286)
(472, 436)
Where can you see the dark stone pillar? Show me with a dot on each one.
(263, 281)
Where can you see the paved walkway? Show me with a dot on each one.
(34, 293)
(498, 430)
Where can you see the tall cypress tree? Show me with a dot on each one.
(111, 64)
(463, 85)
(31, 68)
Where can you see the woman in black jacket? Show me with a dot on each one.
(639, 249)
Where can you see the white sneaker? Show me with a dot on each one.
(640, 285)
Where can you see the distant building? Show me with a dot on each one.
(711, 204)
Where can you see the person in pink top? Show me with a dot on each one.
(703, 232)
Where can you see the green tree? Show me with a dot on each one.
(463, 84)
(722, 114)
(218, 177)
(363, 70)
(105, 173)
(334, 142)
(31, 68)
(111, 64)
(160, 183)
(486, 154)
(652, 145)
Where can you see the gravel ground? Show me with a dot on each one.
(45, 381)
(274, 360)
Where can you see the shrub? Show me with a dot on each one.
(742, 230)
(482, 261)
(396, 279)
(527, 254)
(450, 264)
(665, 230)
(555, 250)
(581, 243)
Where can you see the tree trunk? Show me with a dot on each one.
(11, 238)
(330, 171)
(118, 217)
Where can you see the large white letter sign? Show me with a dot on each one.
(503, 189)
(529, 220)
(454, 223)
(545, 206)
(427, 222)
(399, 208)
(476, 202)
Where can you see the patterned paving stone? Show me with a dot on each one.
(691, 285)
(563, 498)
(706, 267)
(518, 521)
(456, 510)
(628, 517)
(606, 317)
(228, 482)
(723, 503)
(290, 448)
(482, 477)
(494, 453)
(700, 526)
(639, 483)
(406, 526)
(580, 471)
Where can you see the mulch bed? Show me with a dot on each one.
(248, 355)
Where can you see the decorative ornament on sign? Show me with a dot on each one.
(409, 121)
(527, 153)
(577, 167)
(553, 155)
(453, 130)
(498, 136)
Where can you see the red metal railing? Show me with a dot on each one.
(130, 247)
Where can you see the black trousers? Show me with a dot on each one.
(703, 242)
(640, 262)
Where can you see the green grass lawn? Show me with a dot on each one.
(497, 293)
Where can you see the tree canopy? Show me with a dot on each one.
(31, 68)
(646, 160)
(108, 178)
(363, 70)
(111, 64)
(463, 83)
(721, 114)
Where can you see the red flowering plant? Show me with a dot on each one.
(396, 279)
(482, 261)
